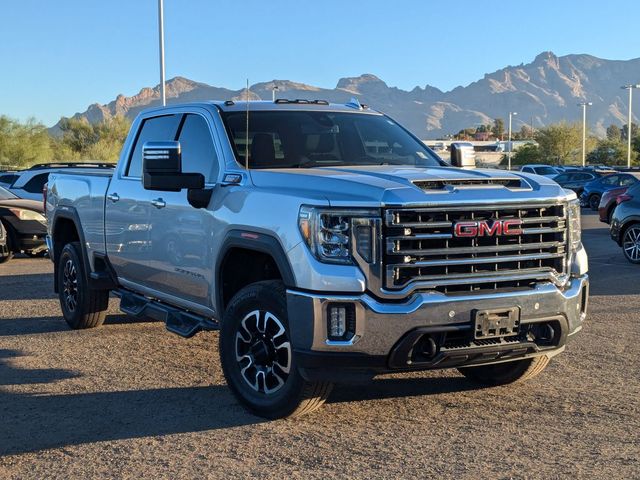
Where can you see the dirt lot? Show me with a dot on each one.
(130, 400)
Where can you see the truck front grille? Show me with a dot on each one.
(422, 251)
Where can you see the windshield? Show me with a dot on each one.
(545, 171)
(6, 194)
(303, 139)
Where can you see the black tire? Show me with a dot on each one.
(631, 243)
(594, 201)
(10, 245)
(81, 306)
(508, 372)
(245, 350)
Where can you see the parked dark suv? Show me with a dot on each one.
(593, 190)
(625, 223)
(575, 180)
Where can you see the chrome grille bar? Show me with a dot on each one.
(421, 248)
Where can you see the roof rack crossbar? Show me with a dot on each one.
(40, 166)
(303, 101)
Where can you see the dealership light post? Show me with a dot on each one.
(584, 106)
(629, 87)
(511, 114)
(161, 40)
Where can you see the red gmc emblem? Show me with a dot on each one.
(488, 228)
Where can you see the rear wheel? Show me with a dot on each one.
(594, 202)
(631, 243)
(257, 356)
(82, 307)
(508, 372)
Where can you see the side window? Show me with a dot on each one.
(610, 180)
(8, 179)
(198, 151)
(527, 170)
(36, 184)
(627, 180)
(156, 129)
(562, 178)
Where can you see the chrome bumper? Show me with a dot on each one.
(380, 325)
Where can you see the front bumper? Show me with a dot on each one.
(32, 242)
(386, 333)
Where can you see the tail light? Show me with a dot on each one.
(45, 189)
(623, 198)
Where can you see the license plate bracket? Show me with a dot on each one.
(496, 323)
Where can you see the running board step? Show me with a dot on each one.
(185, 324)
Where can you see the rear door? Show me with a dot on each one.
(128, 207)
(181, 235)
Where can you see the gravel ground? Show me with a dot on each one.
(131, 400)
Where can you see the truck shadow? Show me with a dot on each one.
(32, 286)
(379, 389)
(37, 325)
(34, 422)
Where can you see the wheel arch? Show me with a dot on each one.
(66, 229)
(243, 244)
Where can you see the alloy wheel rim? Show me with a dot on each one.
(263, 352)
(70, 285)
(631, 244)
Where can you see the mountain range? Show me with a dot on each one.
(545, 91)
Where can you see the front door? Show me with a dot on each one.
(128, 208)
(181, 235)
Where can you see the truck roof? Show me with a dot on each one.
(292, 104)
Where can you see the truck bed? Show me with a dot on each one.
(83, 196)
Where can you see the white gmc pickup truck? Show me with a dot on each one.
(326, 242)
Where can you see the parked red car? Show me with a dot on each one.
(608, 203)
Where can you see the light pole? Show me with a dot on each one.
(161, 40)
(511, 114)
(629, 87)
(584, 106)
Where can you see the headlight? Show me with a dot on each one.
(328, 233)
(575, 230)
(28, 215)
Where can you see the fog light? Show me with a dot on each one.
(340, 321)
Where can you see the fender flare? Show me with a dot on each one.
(260, 242)
(68, 213)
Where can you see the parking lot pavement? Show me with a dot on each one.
(130, 400)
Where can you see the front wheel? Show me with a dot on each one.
(631, 243)
(594, 202)
(508, 372)
(82, 307)
(257, 356)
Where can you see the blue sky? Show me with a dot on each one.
(60, 56)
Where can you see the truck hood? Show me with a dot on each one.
(401, 185)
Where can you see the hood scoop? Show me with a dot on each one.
(469, 183)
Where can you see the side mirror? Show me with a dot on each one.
(162, 168)
(463, 155)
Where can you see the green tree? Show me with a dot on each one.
(614, 133)
(82, 140)
(625, 129)
(23, 144)
(527, 153)
(498, 128)
(560, 143)
(610, 152)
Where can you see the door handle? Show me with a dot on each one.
(159, 203)
(114, 197)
